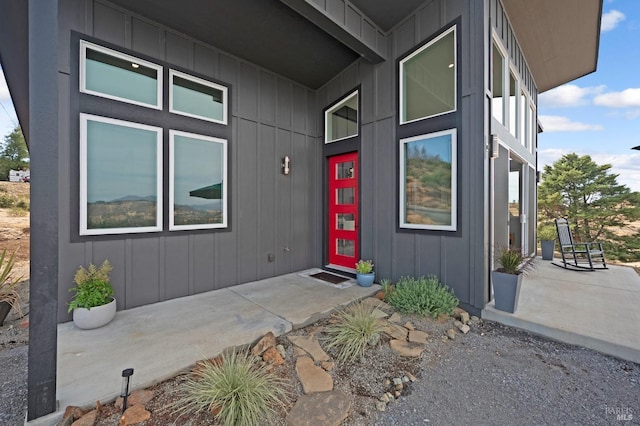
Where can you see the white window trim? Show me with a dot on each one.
(83, 74)
(513, 72)
(84, 118)
(223, 89)
(454, 182)
(455, 68)
(335, 107)
(225, 194)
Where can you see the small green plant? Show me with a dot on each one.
(355, 328)
(386, 285)
(546, 233)
(241, 391)
(364, 266)
(92, 287)
(424, 296)
(512, 261)
(6, 200)
(8, 282)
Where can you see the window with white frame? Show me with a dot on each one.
(110, 74)
(428, 187)
(428, 82)
(341, 120)
(197, 181)
(120, 176)
(524, 125)
(513, 104)
(198, 98)
(497, 85)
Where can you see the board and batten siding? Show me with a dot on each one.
(269, 213)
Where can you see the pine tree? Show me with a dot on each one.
(13, 153)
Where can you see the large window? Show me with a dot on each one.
(120, 176)
(513, 104)
(428, 79)
(428, 181)
(341, 120)
(198, 184)
(114, 75)
(497, 85)
(198, 98)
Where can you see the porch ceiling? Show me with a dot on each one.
(387, 13)
(560, 39)
(266, 32)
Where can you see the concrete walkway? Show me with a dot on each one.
(158, 341)
(598, 310)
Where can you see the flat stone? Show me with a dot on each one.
(377, 313)
(465, 328)
(464, 317)
(272, 356)
(320, 409)
(451, 334)
(88, 419)
(200, 365)
(395, 317)
(73, 412)
(311, 346)
(376, 303)
(408, 349)
(267, 341)
(327, 365)
(297, 352)
(458, 324)
(418, 336)
(137, 397)
(135, 414)
(381, 406)
(409, 326)
(395, 331)
(313, 378)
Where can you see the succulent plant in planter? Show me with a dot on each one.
(507, 278)
(9, 296)
(364, 273)
(93, 304)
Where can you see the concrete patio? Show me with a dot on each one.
(599, 310)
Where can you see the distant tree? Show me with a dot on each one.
(13, 153)
(590, 197)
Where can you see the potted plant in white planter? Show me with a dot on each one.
(364, 273)
(93, 304)
(507, 278)
(547, 237)
(9, 296)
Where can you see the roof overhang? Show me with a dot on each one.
(559, 39)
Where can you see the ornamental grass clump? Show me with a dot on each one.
(238, 390)
(424, 296)
(356, 327)
(9, 282)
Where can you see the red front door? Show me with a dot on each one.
(343, 210)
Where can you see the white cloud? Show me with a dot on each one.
(4, 90)
(627, 166)
(568, 95)
(610, 20)
(625, 99)
(556, 123)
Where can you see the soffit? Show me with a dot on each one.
(386, 14)
(265, 32)
(559, 39)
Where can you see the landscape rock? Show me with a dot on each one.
(137, 397)
(384, 398)
(311, 346)
(327, 365)
(376, 303)
(458, 324)
(418, 336)
(451, 334)
(465, 328)
(266, 342)
(135, 414)
(281, 350)
(272, 356)
(200, 365)
(408, 349)
(377, 313)
(395, 318)
(313, 378)
(409, 326)
(411, 377)
(88, 419)
(381, 406)
(297, 352)
(464, 317)
(319, 409)
(374, 340)
(73, 412)
(395, 331)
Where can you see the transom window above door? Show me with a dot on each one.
(341, 120)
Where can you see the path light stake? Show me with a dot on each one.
(124, 392)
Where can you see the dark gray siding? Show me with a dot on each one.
(270, 213)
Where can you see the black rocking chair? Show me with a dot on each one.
(578, 256)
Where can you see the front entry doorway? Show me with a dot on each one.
(343, 210)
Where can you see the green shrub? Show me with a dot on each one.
(92, 287)
(356, 327)
(547, 233)
(424, 296)
(6, 200)
(241, 391)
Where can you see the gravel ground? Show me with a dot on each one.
(13, 394)
(498, 375)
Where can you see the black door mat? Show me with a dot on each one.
(330, 278)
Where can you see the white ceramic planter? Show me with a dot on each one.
(95, 317)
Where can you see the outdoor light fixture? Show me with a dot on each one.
(286, 165)
(124, 392)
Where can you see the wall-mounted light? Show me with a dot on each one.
(286, 165)
(124, 392)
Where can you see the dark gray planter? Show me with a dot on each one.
(506, 290)
(548, 246)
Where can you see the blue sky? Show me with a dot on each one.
(598, 114)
